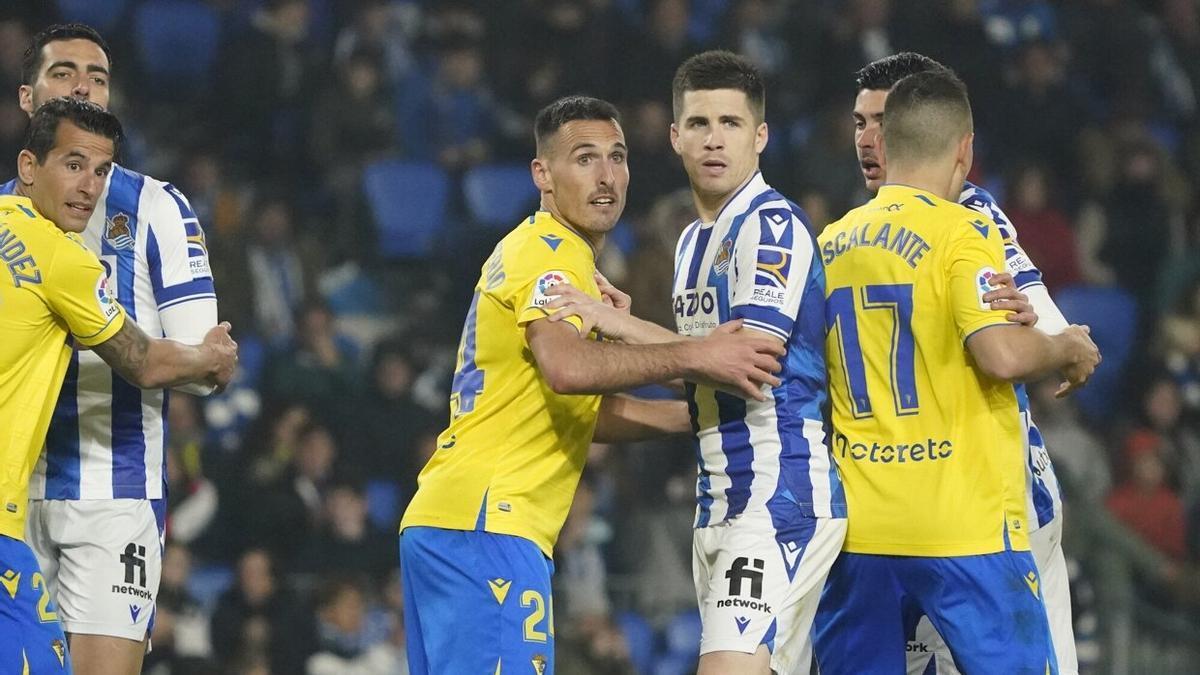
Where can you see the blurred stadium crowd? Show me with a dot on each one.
(353, 161)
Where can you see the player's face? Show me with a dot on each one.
(719, 140)
(69, 68)
(868, 132)
(585, 175)
(66, 186)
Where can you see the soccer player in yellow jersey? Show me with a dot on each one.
(926, 426)
(53, 291)
(477, 538)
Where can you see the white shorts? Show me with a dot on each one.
(1046, 546)
(753, 590)
(102, 560)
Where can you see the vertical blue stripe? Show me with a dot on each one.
(739, 454)
(704, 498)
(688, 234)
(697, 257)
(481, 517)
(128, 437)
(62, 440)
(154, 262)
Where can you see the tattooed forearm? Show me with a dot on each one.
(127, 352)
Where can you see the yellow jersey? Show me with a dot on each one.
(511, 458)
(51, 286)
(930, 448)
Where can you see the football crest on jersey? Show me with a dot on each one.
(117, 232)
(104, 297)
(541, 289)
(724, 255)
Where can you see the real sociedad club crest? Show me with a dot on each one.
(721, 262)
(117, 232)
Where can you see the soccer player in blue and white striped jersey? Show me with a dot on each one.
(97, 498)
(771, 511)
(873, 82)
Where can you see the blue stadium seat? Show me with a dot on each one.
(383, 504)
(408, 201)
(500, 195)
(682, 634)
(640, 637)
(1112, 314)
(103, 15)
(177, 43)
(208, 582)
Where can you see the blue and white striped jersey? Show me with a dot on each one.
(1041, 483)
(757, 262)
(106, 438)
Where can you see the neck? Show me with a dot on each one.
(709, 205)
(595, 240)
(941, 178)
(22, 190)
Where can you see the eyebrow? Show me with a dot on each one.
(92, 68)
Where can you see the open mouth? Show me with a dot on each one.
(80, 209)
(605, 200)
(871, 168)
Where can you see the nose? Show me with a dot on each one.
(868, 137)
(82, 88)
(715, 140)
(91, 185)
(607, 173)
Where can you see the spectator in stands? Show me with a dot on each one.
(1179, 342)
(1162, 413)
(1045, 231)
(653, 51)
(258, 622)
(181, 631)
(1038, 116)
(353, 123)
(284, 514)
(384, 27)
(343, 640)
(318, 366)
(265, 83)
(388, 420)
(1144, 502)
(449, 117)
(344, 542)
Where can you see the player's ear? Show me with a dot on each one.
(675, 138)
(761, 136)
(540, 171)
(966, 152)
(25, 98)
(26, 163)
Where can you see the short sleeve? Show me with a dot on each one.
(976, 254)
(536, 270)
(773, 256)
(76, 289)
(177, 253)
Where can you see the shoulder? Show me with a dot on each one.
(539, 244)
(980, 200)
(773, 219)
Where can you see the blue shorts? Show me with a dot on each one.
(476, 602)
(33, 640)
(987, 607)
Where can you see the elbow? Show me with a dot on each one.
(562, 380)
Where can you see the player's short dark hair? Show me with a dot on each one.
(569, 109)
(886, 72)
(719, 69)
(43, 128)
(924, 115)
(32, 62)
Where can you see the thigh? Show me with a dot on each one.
(1046, 544)
(792, 652)
(33, 638)
(859, 625)
(109, 555)
(989, 610)
(477, 600)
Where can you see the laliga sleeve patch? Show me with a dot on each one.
(541, 289)
(983, 284)
(104, 297)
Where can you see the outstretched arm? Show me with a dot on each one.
(735, 360)
(625, 418)
(151, 363)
